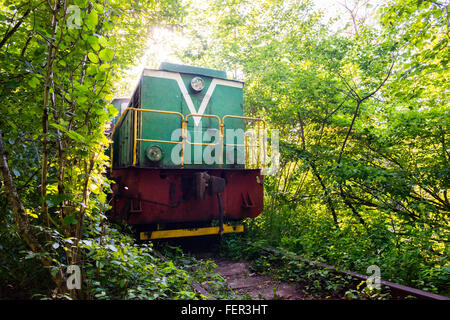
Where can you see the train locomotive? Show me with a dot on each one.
(181, 152)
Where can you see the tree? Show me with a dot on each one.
(59, 61)
(363, 118)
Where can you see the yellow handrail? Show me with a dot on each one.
(184, 121)
(208, 116)
(245, 145)
(154, 140)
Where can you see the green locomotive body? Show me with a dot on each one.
(180, 155)
(162, 101)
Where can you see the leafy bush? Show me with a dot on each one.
(408, 258)
(116, 267)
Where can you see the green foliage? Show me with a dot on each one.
(311, 234)
(59, 61)
(118, 268)
(364, 124)
(364, 121)
(16, 261)
(316, 282)
(200, 271)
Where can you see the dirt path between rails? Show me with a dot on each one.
(242, 281)
(239, 276)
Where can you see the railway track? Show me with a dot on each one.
(250, 285)
(398, 289)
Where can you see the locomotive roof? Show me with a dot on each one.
(213, 73)
(181, 68)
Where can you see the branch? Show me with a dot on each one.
(358, 104)
(14, 29)
(382, 82)
(11, 32)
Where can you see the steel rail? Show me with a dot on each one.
(399, 288)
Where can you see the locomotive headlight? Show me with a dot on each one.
(197, 84)
(154, 153)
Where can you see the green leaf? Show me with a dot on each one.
(93, 57)
(56, 199)
(33, 82)
(91, 19)
(75, 136)
(30, 255)
(91, 70)
(59, 127)
(93, 41)
(106, 54)
(54, 271)
(12, 84)
(103, 41)
(70, 220)
(112, 247)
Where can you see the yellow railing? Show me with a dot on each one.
(184, 121)
(206, 116)
(246, 145)
(153, 140)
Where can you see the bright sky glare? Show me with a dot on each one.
(161, 40)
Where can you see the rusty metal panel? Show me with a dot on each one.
(164, 196)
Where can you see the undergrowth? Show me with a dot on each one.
(316, 283)
(410, 258)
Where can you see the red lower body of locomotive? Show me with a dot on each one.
(151, 198)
